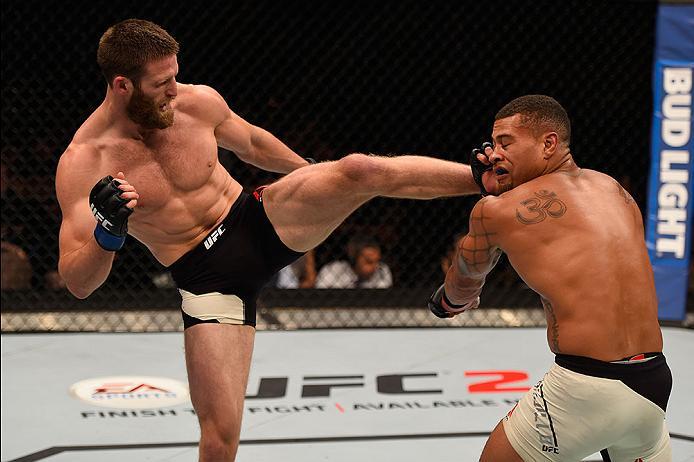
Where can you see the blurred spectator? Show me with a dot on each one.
(299, 275)
(364, 270)
(14, 267)
(30, 212)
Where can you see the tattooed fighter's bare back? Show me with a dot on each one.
(576, 241)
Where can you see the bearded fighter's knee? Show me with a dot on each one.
(360, 170)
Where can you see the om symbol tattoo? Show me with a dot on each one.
(545, 203)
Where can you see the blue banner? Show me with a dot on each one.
(671, 185)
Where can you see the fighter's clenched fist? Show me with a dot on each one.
(112, 200)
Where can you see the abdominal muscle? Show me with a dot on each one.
(184, 220)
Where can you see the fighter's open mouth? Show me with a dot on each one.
(500, 171)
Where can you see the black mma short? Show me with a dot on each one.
(220, 279)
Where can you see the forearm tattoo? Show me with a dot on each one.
(536, 209)
(552, 325)
(478, 254)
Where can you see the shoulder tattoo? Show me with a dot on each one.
(535, 209)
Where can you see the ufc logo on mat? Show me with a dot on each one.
(212, 238)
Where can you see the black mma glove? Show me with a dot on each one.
(442, 307)
(478, 168)
(110, 212)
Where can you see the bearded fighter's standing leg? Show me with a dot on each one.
(218, 358)
(308, 204)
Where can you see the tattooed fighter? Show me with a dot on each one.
(576, 237)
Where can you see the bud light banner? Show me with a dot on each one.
(671, 193)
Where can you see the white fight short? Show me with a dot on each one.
(583, 406)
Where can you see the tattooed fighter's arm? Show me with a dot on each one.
(476, 256)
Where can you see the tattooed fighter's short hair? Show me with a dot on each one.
(539, 112)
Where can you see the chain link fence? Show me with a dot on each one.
(328, 79)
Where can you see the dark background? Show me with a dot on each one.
(330, 78)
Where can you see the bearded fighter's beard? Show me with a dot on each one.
(145, 113)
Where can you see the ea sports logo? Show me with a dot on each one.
(131, 392)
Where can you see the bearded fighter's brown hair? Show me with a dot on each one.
(126, 47)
